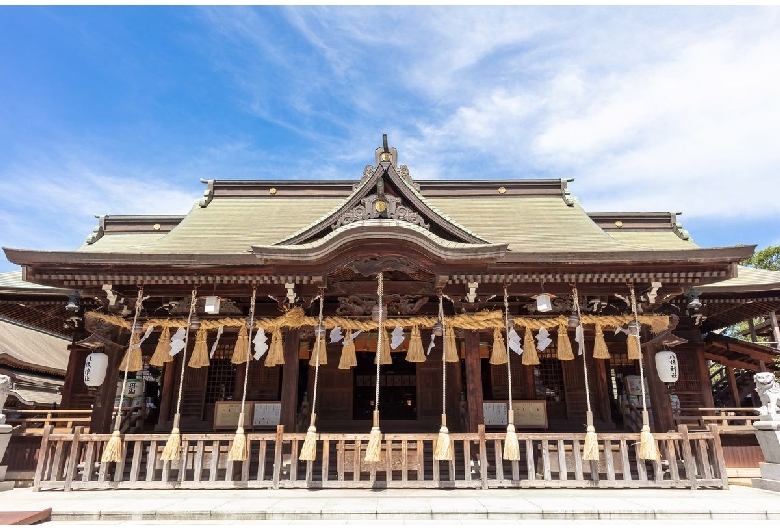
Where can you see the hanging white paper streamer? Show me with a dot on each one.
(543, 339)
(513, 340)
(336, 334)
(261, 344)
(397, 337)
(177, 341)
(216, 341)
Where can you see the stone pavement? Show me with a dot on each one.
(398, 506)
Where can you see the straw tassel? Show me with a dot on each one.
(162, 353)
(415, 353)
(320, 346)
(498, 355)
(591, 449)
(385, 358)
(600, 350)
(443, 450)
(113, 450)
(172, 450)
(648, 448)
(450, 345)
(238, 451)
(374, 449)
(565, 352)
(511, 445)
(348, 358)
(276, 350)
(241, 349)
(134, 351)
(200, 353)
(632, 345)
(309, 448)
(530, 357)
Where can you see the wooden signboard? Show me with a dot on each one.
(528, 414)
(266, 413)
(226, 414)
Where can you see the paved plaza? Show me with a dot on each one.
(453, 507)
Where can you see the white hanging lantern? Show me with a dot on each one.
(211, 306)
(95, 369)
(543, 303)
(667, 367)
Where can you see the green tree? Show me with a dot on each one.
(768, 258)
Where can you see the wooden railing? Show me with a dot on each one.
(730, 420)
(689, 460)
(35, 421)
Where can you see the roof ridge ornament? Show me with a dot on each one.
(386, 154)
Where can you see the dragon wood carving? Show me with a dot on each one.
(357, 306)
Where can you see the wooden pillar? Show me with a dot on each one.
(663, 416)
(602, 390)
(705, 384)
(104, 401)
(454, 388)
(733, 385)
(75, 369)
(289, 398)
(775, 328)
(473, 381)
(167, 390)
(526, 379)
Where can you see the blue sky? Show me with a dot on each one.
(121, 110)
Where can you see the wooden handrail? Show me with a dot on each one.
(554, 460)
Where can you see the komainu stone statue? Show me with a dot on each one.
(5, 387)
(768, 390)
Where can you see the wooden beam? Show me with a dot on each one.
(168, 387)
(744, 350)
(725, 361)
(474, 397)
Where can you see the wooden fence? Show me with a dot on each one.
(689, 460)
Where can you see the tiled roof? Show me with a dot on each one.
(228, 226)
(653, 239)
(22, 346)
(529, 223)
(747, 279)
(12, 281)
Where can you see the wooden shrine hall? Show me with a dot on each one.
(496, 309)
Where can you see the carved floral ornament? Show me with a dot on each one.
(372, 207)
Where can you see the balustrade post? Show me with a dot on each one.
(717, 455)
(483, 465)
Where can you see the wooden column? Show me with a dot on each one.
(473, 380)
(289, 398)
(663, 416)
(74, 370)
(104, 402)
(602, 390)
(526, 380)
(167, 391)
(775, 328)
(705, 383)
(733, 385)
(454, 388)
